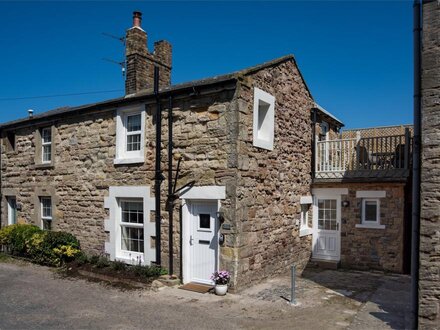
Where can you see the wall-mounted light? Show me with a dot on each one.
(221, 216)
(345, 203)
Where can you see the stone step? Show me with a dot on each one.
(326, 264)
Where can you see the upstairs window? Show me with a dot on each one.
(263, 119)
(133, 132)
(46, 145)
(46, 213)
(130, 134)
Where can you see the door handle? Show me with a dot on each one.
(191, 240)
(337, 225)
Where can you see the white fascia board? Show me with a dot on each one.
(371, 194)
(204, 192)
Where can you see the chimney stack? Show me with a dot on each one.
(140, 62)
(137, 19)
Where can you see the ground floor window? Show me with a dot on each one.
(12, 210)
(46, 213)
(370, 211)
(132, 225)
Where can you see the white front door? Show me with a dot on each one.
(202, 238)
(326, 224)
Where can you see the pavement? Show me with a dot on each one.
(36, 297)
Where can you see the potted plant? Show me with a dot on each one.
(221, 279)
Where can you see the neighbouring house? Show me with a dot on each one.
(429, 254)
(245, 172)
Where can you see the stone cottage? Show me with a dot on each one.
(220, 173)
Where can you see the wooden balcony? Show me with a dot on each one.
(381, 158)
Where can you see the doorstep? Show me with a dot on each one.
(168, 280)
(326, 264)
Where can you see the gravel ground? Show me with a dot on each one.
(35, 297)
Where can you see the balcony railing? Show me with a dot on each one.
(382, 156)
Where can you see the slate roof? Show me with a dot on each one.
(149, 94)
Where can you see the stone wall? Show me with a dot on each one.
(429, 275)
(270, 183)
(83, 169)
(212, 134)
(363, 248)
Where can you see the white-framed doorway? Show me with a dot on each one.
(200, 233)
(200, 240)
(327, 223)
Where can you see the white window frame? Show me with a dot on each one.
(112, 224)
(43, 217)
(364, 215)
(12, 209)
(122, 155)
(370, 195)
(304, 228)
(263, 135)
(45, 144)
(136, 255)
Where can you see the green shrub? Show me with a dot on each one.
(102, 262)
(45, 247)
(16, 237)
(53, 248)
(82, 258)
(148, 271)
(118, 265)
(94, 259)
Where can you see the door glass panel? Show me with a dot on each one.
(204, 221)
(327, 214)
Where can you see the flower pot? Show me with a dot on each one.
(221, 289)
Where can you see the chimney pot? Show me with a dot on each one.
(137, 18)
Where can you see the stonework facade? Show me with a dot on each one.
(260, 189)
(429, 274)
(373, 248)
(213, 134)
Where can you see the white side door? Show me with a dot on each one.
(203, 241)
(327, 224)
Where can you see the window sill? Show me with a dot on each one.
(263, 144)
(305, 232)
(122, 161)
(44, 166)
(370, 226)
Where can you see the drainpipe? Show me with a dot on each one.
(170, 184)
(314, 142)
(415, 237)
(158, 172)
(1, 180)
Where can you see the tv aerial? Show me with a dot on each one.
(121, 39)
(121, 64)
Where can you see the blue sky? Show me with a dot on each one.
(355, 56)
